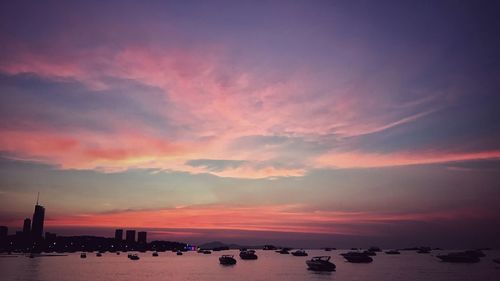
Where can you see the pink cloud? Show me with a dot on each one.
(355, 159)
(278, 218)
(215, 102)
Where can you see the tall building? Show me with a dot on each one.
(38, 217)
(119, 234)
(130, 236)
(4, 231)
(142, 237)
(27, 227)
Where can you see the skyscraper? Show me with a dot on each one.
(119, 234)
(38, 217)
(3, 231)
(27, 227)
(142, 237)
(130, 236)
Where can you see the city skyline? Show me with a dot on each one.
(303, 124)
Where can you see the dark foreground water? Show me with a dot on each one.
(408, 266)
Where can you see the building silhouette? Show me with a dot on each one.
(142, 237)
(119, 234)
(27, 227)
(130, 236)
(38, 218)
(3, 231)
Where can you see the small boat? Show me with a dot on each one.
(179, 253)
(207, 252)
(475, 253)
(370, 253)
(299, 253)
(374, 249)
(155, 254)
(227, 260)
(118, 253)
(357, 257)
(460, 257)
(133, 257)
(83, 255)
(393, 252)
(283, 251)
(424, 250)
(269, 248)
(248, 255)
(320, 264)
(98, 255)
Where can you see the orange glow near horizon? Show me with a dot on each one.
(288, 218)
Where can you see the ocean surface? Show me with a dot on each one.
(408, 266)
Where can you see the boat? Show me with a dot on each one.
(133, 257)
(227, 260)
(283, 251)
(83, 255)
(248, 255)
(476, 253)
(374, 249)
(459, 257)
(424, 250)
(370, 253)
(98, 255)
(179, 253)
(328, 249)
(300, 253)
(321, 263)
(155, 254)
(496, 261)
(393, 252)
(207, 252)
(357, 257)
(117, 253)
(269, 248)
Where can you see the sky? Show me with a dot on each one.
(301, 123)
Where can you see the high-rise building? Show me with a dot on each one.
(142, 237)
(38, 217)
(27, 227)
(130, 236)
(4, 231)
(119, 234)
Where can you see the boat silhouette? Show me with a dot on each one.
(321, 263)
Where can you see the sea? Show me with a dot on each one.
(409, 266)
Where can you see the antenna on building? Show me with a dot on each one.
(37, 197)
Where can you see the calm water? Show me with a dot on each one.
(408, 266)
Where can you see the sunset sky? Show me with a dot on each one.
(305, 123)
